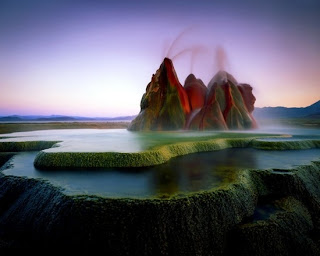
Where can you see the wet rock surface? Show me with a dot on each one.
(263, 212)
(196, 91)
(228, 105)
(166, 105)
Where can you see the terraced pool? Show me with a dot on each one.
(180, 175)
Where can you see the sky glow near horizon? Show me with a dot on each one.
(95, 58)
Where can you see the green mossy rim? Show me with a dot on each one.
(20, 146)
(208, 217)
(246, 180)
(161, 154)
(154, 155)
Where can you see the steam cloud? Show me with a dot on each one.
(178, 48)
(172, 52)
(221, 58)
(176, 40)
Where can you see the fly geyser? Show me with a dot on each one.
(167, 105)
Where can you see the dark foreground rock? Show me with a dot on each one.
(271, 212)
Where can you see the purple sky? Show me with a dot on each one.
(95, 58)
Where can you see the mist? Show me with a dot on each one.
(191, 48)
(221, 59)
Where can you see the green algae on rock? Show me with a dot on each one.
(294, 229)
(156, 148)
(18, 146)
(226, 106)
(213, 222)
(167, 105)
(286, 145)
(4, 157)
(153, 156)
(161, 154)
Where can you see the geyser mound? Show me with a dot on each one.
(196, 91)
(228, 105)
(166, 105)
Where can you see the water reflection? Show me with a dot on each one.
(190, 173)
(121, 140)
(201, 171)
(165, 182)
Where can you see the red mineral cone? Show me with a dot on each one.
(196, 91)
(226, 107)
(165, 104)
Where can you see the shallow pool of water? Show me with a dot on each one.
(190, 173)
(104, 140)
(121, 140)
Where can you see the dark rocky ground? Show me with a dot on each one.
(24, 127)
(265, 212)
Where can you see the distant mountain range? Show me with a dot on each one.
(18, 118)
(312, 111)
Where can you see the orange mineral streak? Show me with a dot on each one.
(249, 100)
(196, 98)
(229, 100)
(247, 96)
(254, 122)
(211, 96)
(196, 92)
(174, 81)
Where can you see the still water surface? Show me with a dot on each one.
(121, 140)
(190, 173)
